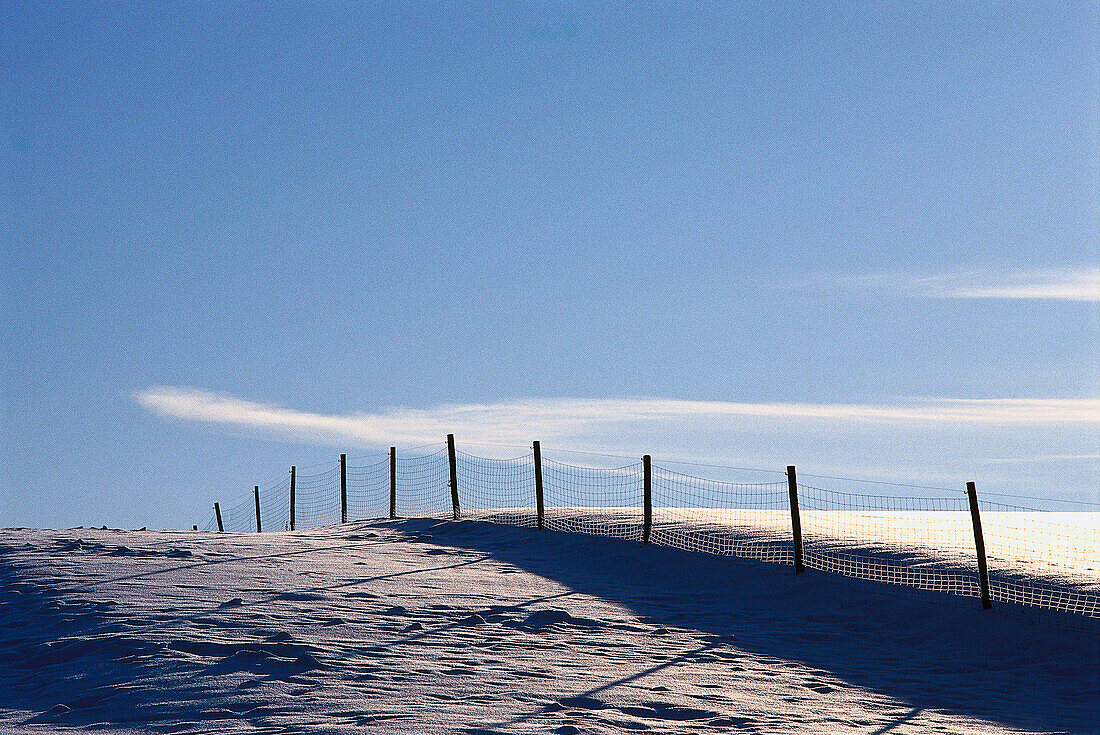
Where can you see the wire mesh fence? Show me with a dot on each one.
(917, 541)
(1042, 558)
(371, 484)
(423, 485)
(498, 490)
(911, 535)
(275, 514)
(601, 501)
(240, 517)
(751, 520)
(317, 498)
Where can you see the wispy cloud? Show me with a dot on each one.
(1046, 459)
(1060, 284)
(563, 420)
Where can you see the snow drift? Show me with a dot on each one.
(427, 626)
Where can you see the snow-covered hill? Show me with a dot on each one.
(469, 627)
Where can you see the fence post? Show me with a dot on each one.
(647, 498)
(393, 482)
(540, 509)
(218, 515)
(796, 520)
(453, 460)
(979, 545)
(256, 491)
(293, 477)
(343, 488)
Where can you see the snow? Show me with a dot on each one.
(1059, 548)
(421, 626)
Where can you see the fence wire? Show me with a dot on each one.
(1037, 559)
(751, 520)
(1043, 558)
(240, 517)
(917, 541)
(423, 485)
(593, 500)
(498, 490)
(275, 505)
(369, 488)
(211, 523)
(317, 498)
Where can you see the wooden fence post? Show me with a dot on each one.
(218, 515)
(343, 488)
(393, 482)
(647, 498)
(293, 478)
(256, 491)
(979, 545)
(540, 509)
(453, 460)
(796, 520)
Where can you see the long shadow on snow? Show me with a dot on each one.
(926, 649)
(74, 661)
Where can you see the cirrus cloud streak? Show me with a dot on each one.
(574, 418)
(1052, 284)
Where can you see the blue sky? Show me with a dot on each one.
(856, 237)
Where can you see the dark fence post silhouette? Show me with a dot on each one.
(796, 520)
(979, 545)
(343, 488)
(256, 492)
(393, 482)
(540, 509)
(218, 515)
(453, 460)
(647, 498)
(292, 479)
